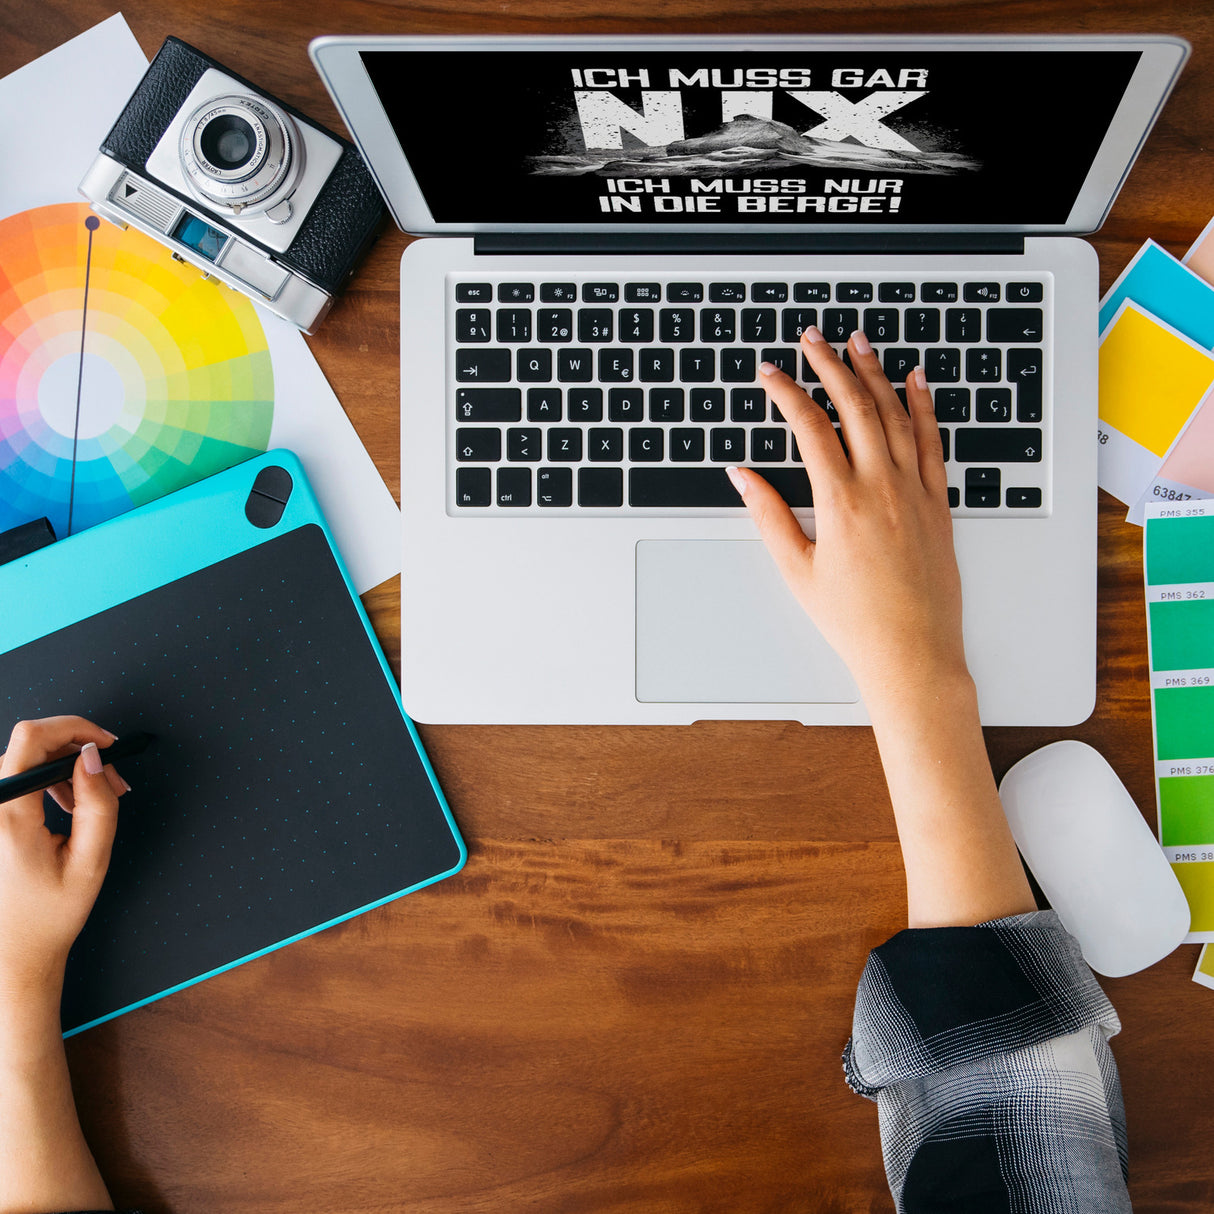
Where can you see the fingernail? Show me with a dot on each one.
(125, 786)
(920, 378)
(768, 368)
(736, 479)
(861, 342)
(92, 759)
(813, 334)
(113, 737)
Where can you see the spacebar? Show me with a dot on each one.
(709, 486)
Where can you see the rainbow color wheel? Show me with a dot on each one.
(152, 381)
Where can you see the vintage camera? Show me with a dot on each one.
(239, 184)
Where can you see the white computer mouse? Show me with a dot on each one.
(1094, 857)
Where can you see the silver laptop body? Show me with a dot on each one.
(621, 229)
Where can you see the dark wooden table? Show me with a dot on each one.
(635, 995)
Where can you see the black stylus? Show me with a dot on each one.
(55, 772)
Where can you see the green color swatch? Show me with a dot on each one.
(1186, 810)
(1184, 722)
(1180, 550)
(1182, 635)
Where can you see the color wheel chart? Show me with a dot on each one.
(123, 374)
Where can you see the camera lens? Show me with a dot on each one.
(228, 142)
(242, 153)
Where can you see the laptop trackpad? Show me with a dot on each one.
(716, 624)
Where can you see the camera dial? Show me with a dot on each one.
(243, 155)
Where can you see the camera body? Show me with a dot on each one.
(239, 184)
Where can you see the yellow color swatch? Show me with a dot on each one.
(1151, 379)
(1204, 973)
(1197, 881)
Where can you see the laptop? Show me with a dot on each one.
(618, 230)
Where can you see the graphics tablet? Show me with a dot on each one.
(287, 790)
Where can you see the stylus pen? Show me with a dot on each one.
(57, 770)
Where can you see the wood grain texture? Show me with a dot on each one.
(635, 995)
(591, 1026)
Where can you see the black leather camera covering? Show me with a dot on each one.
(345, 218)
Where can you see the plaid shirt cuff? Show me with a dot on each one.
(935, 998)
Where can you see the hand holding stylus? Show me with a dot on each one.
(48, 882)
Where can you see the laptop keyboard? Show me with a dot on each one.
(631, 395)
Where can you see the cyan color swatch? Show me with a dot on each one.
(1157, 282)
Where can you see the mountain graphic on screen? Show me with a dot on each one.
(747, 144)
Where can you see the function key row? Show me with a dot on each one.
(757, 292)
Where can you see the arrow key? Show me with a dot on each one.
(981, 487)
(1024, 499)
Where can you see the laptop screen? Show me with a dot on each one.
(966, 137)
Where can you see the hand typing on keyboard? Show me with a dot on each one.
(881, 580)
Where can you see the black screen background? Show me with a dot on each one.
(468, 122)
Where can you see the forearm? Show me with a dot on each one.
(48, 884)
(962, 867)
(45, 1163)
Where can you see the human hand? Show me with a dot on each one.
(48, 882)
(880, 580)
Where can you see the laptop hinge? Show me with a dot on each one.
(852, 244)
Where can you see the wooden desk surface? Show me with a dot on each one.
(635, 996)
